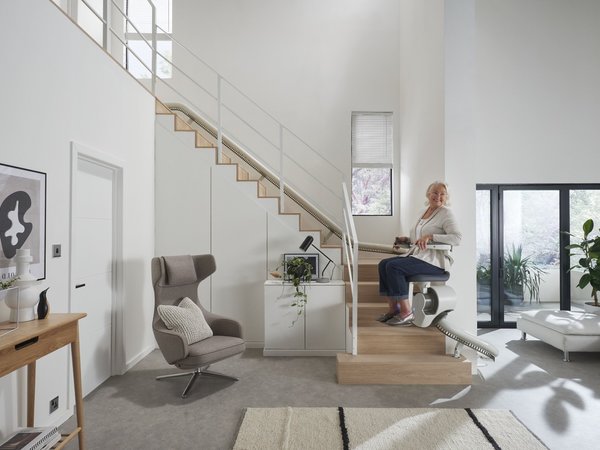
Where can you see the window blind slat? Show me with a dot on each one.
(372, 138)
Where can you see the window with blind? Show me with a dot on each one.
(139, 36)
(372, 163)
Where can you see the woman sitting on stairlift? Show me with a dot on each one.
(436, 224)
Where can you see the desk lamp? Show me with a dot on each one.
(305, 246)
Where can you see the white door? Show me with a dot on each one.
(93, 268)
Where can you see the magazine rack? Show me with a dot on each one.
(35, 339)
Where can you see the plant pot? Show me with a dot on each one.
(513, 296)
(589, 307)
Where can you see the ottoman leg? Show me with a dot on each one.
(566, 357)
(523, 336)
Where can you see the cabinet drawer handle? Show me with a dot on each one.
(26, 343)
(77, 286)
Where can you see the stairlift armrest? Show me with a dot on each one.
(173, 345)
(439, 246)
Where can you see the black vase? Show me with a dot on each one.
(43, 307)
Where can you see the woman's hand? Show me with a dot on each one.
(424, 240)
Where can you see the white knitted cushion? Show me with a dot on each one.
(186, 319)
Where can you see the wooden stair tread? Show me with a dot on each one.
(402, 369)
(405, 358)
(379, 328)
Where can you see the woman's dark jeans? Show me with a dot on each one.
(393, 273)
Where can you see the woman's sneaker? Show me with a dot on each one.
(385, 317)
(401, 321)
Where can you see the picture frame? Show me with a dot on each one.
(313, 259)
(22, 219)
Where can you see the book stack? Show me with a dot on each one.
(42, 438)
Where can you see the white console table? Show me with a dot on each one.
(319, 331)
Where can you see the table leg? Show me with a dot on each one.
(78, 390)
(30, 393)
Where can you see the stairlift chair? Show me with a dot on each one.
(432, 306)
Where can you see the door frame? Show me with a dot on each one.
(116, 166)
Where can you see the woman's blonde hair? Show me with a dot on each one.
(435, 184)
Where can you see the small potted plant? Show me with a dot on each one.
(588, 250)
(297, 271)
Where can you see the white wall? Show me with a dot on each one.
(310, 64)
(459, 151)
(421, 82)
(58, 87)
(538, 91)
(201, 208)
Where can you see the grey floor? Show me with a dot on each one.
(558, 401)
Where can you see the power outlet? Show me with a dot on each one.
(53, 404)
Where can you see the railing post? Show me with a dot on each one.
(281, 182)
(219, 124)
(72, 9)
(106, 26)
(154, 49)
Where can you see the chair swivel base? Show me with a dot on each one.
(195, 375)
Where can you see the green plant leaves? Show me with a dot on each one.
(520, 272)
(588, 226)
(584, 281)
(589, 252)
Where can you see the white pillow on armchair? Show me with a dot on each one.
(186, 319)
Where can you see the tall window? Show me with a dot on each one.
(139, 56)
(372, 163)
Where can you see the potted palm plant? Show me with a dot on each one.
(588, 250)
(521, 274)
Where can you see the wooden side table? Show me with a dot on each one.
(37, 338)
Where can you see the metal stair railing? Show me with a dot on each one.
(350, 242)
(305, 168)
(230, 111)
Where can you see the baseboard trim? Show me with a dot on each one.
(137, 358)
(255, 344)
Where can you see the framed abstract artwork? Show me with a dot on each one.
(22, 219)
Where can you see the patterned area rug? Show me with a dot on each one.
(382, 428)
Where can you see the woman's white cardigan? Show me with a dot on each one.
(442, 225)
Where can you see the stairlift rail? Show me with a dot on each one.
(466, 339)
(432, 307)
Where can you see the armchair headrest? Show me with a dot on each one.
(180, 270)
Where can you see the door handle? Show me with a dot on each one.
(77, 286)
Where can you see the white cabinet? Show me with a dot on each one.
(319, 331)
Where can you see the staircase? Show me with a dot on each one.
(394, 355)
(386, 355)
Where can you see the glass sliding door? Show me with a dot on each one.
(484, 255)
(522, 263)
(584, 204)
(530, 263)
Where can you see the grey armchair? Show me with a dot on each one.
(176, 277)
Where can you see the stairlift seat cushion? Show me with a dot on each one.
(565, 322)
(428, 278)
(186, 319)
